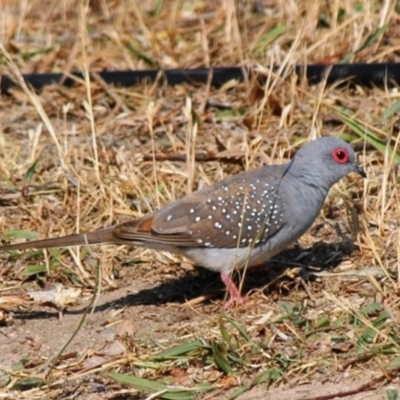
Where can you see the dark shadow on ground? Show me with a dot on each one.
(319, 257)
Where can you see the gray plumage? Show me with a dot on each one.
(242, 220)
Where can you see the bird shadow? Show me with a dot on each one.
(272, 276)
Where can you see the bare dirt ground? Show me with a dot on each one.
(321, 320)
(146, 312)
(143, 312)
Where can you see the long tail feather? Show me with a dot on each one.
(80, 239)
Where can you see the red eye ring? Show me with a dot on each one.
(341, 156)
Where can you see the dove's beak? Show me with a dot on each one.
(360, 170)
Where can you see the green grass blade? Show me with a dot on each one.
(148, 364)
(224, 333)
(371, 308)
(31, 170)
(9, 235)
(268, 38)
(394, 364)
(220, 359)
(392, 394)
(392, 110)
(271, 374)
(148, 386)
(242, 330)
(369, 334)
(239, 391)
(322, 322)
(28, 383)
(178, 351)
(371, 39)
(157, 8)
(34, 270)
(366, 134)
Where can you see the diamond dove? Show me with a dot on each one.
(244, 219)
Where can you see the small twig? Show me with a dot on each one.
(119, 103)
(363, 388)
(197, 300)
(307, 289)
(52, 361)
(201, 155)
(357, 359)
(40, 110)
(190, 142)
(91, 306)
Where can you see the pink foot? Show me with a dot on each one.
(234, 293)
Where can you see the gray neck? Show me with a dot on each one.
(311, 177)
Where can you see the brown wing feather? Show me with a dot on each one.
(235, 212)
(141, 230)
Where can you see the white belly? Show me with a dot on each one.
(227, 260)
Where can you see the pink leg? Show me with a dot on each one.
(234, 293)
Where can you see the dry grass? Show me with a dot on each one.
(82, 158)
